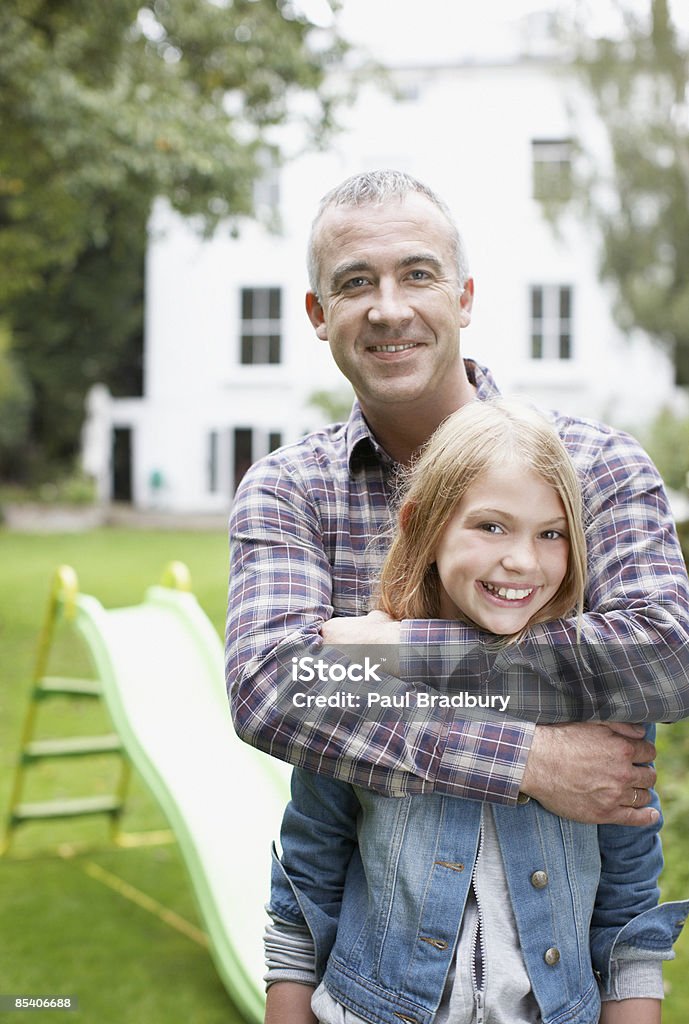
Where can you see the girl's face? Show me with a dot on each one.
(504, 551)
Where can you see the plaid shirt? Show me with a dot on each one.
(307, 534)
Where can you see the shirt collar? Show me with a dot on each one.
(362, 445)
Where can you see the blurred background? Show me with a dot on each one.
(160, 164)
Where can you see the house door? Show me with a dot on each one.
(249, 445)
(122, 464)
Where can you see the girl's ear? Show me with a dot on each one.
(406, 513)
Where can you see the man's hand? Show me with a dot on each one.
(374, 628)
(361, 630)
(592, 772)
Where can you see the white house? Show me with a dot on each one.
(230, 358)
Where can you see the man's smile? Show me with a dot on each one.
(392, 348)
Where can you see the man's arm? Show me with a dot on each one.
(280, 599)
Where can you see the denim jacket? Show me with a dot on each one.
(381, 884)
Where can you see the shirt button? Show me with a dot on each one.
(539, 879)
(552, 956)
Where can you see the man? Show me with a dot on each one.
(390, 292)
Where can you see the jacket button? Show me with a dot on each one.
(436, 943)
(552, 956)
(539, 879)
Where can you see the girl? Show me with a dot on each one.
(434, 910)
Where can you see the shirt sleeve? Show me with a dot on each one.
(634, 979)
(627, 659)
(290, 953)
(280, 593)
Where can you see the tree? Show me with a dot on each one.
(104, 107)
(15, 403)
(637, 80)
(82, 327)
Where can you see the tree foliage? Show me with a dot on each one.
(103, 107)
(335, 404)
(15, 404)
(637, 79)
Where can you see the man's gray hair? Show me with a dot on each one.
(374, 188)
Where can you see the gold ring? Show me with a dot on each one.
(636, 797)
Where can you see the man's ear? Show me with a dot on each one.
(466, 301)
(315, 313)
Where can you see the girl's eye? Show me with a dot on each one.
(491, 528)
(553, 535)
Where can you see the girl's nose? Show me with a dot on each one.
(520, 557)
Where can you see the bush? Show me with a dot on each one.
(667, 442)
(74, 489)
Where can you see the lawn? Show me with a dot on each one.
(64, 932)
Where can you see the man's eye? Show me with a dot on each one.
(419, 275)
(355, 282)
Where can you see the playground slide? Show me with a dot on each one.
(161, 666)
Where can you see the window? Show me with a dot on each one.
(551, 321)
(261, 326)
(551, 161)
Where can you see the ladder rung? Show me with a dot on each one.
(72, 746)
(55, 686)
(67, 808)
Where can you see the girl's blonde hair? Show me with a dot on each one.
(478, 437)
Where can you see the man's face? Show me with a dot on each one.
(390, 304)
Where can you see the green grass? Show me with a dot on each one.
(64, 933)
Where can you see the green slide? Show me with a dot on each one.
(161, 666)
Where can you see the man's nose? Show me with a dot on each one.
(390, 305)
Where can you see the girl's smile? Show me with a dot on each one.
(503, 554)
